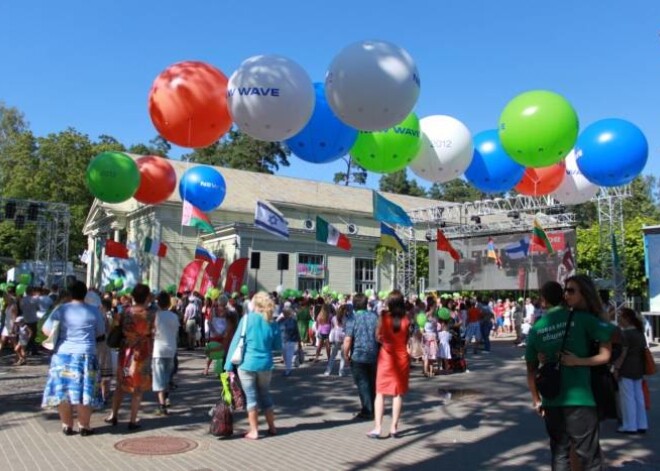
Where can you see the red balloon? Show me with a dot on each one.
(157, 180)
(188, 104)
(541, 181)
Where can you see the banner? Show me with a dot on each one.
(235, 275)
(200, 275)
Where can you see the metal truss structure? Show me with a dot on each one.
(52, 221)
(512, 215)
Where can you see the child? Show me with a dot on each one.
(526, 327)
(444, 347)
(430, 342)
(24, 334)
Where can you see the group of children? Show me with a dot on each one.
(434, 336)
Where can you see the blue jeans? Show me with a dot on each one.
(486, 327)
(364, 376)
(256, 386)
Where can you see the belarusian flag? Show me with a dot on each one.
(329, 234)
(195, 217)
(539, 237)
(155, 247)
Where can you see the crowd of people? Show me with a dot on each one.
(100, 337)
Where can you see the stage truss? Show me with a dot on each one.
(52, 221)
(512, 215)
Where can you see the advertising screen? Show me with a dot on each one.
(502, 262)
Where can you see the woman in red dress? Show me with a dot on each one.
(393, 367)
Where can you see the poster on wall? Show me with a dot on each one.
(126, 269)
(652, 265)
(502, 262)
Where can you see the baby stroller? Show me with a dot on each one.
(458, 362)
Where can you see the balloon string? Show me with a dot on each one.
(179, 266)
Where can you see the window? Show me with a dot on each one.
(310, 270)
(365, 277)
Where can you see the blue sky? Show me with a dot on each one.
(90, 64)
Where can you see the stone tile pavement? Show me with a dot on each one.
(477, 420)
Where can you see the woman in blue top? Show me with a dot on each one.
(262, 336)
(73, 378)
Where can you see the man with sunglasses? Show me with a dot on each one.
(571, 418)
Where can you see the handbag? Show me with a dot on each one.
(649, 362)
(548, 377)
(116, 335)
(239, 352)
(237, 394)
(51, 341)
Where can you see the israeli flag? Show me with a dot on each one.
(270, 220)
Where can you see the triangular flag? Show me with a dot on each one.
(445, 246)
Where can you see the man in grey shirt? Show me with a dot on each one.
(29, 306)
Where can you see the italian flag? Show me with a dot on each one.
(195, 217)
(329, 234)
(539, 237)
(155, 247)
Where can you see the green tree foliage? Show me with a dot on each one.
(455, 191)
(354, 173)
(157, 146)
(422, 262)
(399, 183)
(238, 150)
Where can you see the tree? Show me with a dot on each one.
(240, 151)
(398, 182)
(354, 173)
(455, 191)
(642, 202)
(157, 146)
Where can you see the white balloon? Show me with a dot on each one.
(446, 150)
(279, 289)
(575, 188)
(270, 98)
(372, 85)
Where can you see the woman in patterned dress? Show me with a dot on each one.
(134, 362)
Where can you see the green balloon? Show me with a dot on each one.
(244, 289)
(538, 128)
(325, 290)
(3, 286)
(171, 289)
(389, 150)
(444, 313)
(234, 295)
(113, 177)
(119, 283)
(25, 278)
(314, 293)
(20, 289)
(421, 320)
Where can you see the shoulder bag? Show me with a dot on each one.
(649, 362)
(548, 377)
(239, 353)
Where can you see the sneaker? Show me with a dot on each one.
(326, 373)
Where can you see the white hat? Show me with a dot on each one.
(287, 305)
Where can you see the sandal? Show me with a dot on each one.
(111, 420)
(272, 432)
(373, 434)
(85, 432)
(66, 430)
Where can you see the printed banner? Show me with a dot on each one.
(235, 275)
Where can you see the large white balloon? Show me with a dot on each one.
(575, 188)
(372, 85)
(270, 98)
(446, 150)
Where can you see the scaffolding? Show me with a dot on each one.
(516, 214)
(52, 222)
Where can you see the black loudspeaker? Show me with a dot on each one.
(19, 221)
(10, 210)
(32, 212)
(255, 260)
(282, 261)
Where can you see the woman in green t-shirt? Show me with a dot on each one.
(302, 319)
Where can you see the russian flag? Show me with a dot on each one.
(202, 254)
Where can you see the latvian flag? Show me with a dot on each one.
(326, 232)
(155, 247)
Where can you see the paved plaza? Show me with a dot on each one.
(480, 420)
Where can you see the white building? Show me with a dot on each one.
(311, 264)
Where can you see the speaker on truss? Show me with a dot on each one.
(255, 260)
(10, 210)
(282, 261)
(19, 221)
(32, 212)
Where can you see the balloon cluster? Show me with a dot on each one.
(365, 108)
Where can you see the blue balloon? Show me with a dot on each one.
(611, 152)
(203, 187)
(324, 138)
(492, 170)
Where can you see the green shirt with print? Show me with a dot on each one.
(546, 336)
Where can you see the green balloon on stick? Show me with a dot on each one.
(112, 177)
(389, 150)
(538, 128)
(244, 290)
(20, 289)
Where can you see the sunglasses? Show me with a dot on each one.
(570, 290)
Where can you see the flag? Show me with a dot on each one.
(155, 247)
(270, 220)
(235, 275)
(386, 211)
(444, 245)
(202, 254)
(115, 249)
(84, 257)
(329, 234)
(539, 237)
(388, 238)
(491, 249)
(195, 217)
(519, 250)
